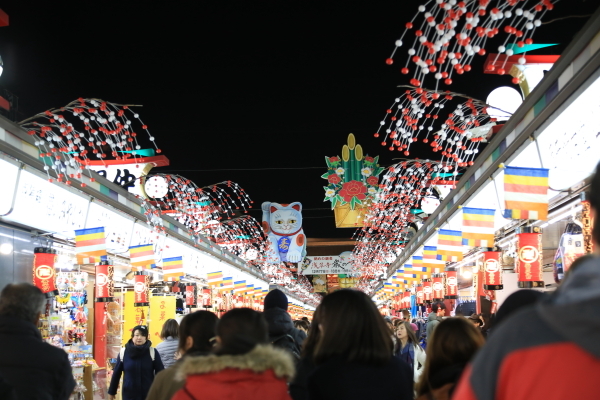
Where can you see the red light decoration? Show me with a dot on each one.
(141, 287)
(451, 285)
(529, 257)
(105, 285)
(44, 274)
(492, 270)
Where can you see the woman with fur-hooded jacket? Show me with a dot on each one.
(243, 365)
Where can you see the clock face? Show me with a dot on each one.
(156, 187)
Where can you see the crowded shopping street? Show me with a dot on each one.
(286, 200)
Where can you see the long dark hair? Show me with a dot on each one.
(200, 326)
(352, 328)
(240, 330)
(412, 337)
(453, 342)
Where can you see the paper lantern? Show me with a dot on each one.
(529, 257)
(105, 285)
(141, 287)
(206, 298)
(438, 287)
(407, 295)
(420, 295)
(451, 285)
(427, 291)
(44, 275)
(492, 279)
(190, 295)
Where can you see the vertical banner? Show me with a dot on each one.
(451, 285)
(162, 308)
(427, 291)
(44, 275)
(438, 287)
(190, 295)
(529, 257)
(206, 298)
(105, 285)
(141, 287)
(132, 315)
(492, 271)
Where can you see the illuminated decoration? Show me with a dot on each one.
(492, 270)
(529, 257)
(352, 184)
(427, 291)
(504, 101)
(429, 204)
(142, 256)
(437, 287)
(206, 298)
(588, 225)
(44, 275)
(526, 193)
(242, 236)
(478, 227)
(156, 187)
(420, 295)
(283, 225)
(190, 295)
(86, 129)
(173, 269)
(105, 284)
(449, 245)
(90, 245)
(448, 35)
(451, 285)
(141, 288)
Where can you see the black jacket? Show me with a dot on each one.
(280, 323)
(336, 379)
(36, 370)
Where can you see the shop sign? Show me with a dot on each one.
(8, 180)
(318, 265)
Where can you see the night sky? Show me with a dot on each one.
(257, 92)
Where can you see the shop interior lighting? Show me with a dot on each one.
(6, 248)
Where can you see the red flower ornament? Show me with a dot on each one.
(372, 180)
(353, 189)
(334, 178)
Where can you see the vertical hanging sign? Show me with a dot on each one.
(451, 285)
(44, 275)
(190, 295)
(140, 289)
(438, 287)
(105, 285)
(162, 308)
(492, 279)
(206, 298)
(529, 257)
(427, 291)
(420, 295)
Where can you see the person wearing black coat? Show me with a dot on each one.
(279, 321)
(30, 367)
(138, 365)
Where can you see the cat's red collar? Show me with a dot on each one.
(285, 234)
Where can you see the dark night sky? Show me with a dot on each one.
(235, 84)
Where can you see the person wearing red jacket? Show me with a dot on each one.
(243, 366)
(549, 350)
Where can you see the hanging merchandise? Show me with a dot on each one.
(427, 291)
(529, 257)
(105, 285)
(420, 295)
(190, 295)
(451, 285)
(438, 287)
(141, 287)
(206, 298)
(43, 270)
(492, 279)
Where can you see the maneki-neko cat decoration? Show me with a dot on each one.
(352, 184)
(282, 223)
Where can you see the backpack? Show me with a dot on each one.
(288, 343)
(122, 353)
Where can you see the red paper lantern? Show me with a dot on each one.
(44, 275)
(206, 298)
(190, 295)
(529, 257)
(420, 295)
(141, 286)
(407, 295)
(492, 279)
(427, 291)
(438, 287)
(105, 285)
(451, 285)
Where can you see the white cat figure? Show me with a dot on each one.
(283, 225)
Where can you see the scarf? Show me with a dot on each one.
(137, 351)
(407, 353)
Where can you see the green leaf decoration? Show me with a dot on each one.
(325, 175)
(327, 161)
(334, 201)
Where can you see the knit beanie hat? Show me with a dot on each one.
(276, 298)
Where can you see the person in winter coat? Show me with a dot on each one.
(279, 321)
(452, 345)
(243, 366)
(353, 356)
(409, 349)
(31, 368)
(196, 338)
(140, 362)
(168, 347)
(438, 310)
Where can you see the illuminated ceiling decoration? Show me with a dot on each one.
(87, 130)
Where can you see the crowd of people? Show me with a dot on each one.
(537, 347)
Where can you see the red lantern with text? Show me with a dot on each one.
(407, 295)
(529, 257)
(427, 291)
(239, 301)
(492, 279)
(438, 287)
(206, 298)
(140, 289)
(44, 275)
(190, 295)
(451, 285)
(420, 295)
(105, 285)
